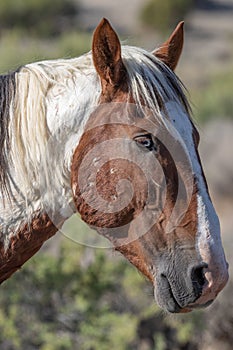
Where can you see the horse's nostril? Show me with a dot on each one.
(198, 276)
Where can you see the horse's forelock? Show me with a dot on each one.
(151, 82)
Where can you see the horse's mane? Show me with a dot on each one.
(7, 92)
(23, 124)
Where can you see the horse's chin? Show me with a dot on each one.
(168, 302)
(171, 305)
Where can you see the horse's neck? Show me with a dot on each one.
(68, 105)
(25, 220)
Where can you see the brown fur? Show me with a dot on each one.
(24, 244)
(106, 182)
(106, 47)
(171, 50)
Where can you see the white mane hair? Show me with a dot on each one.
(51, 105)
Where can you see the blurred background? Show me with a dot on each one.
(70, 296)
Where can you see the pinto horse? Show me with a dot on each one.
(109, 135)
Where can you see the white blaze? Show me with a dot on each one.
(208, 242)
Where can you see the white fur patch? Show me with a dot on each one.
(208, 239)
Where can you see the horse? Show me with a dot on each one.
(109, 135)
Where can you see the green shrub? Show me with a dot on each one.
(40, 17)
(86, 299)
(215, 100)
(17, 50)
(164, 14)
(64, 303)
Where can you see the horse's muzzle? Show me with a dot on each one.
(177, 293)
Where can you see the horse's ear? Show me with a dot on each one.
(171, 50)
(106, 53)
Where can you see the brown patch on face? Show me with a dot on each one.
(185, 229)
(24, 244)
(105, 183)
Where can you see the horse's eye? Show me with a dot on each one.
(145, 141)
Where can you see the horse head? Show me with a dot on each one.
(137, 177)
